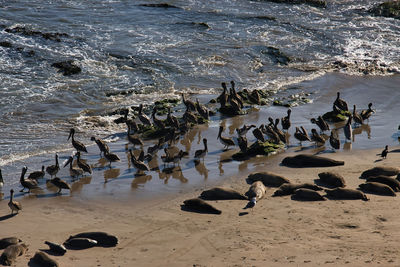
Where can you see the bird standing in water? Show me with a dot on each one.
(224, 140)
(76, 144)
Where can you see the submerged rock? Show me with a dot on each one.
(332, 116)
(67, 67)
(315, 3)
(389, 9)
(258, 148)
(54, 36)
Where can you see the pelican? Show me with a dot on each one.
(111, 157)
(101, 144)
(14, 205)
(235, 95)
(281, 135)
(83, 165)
(76, 144)
(60, 184)
(348, 130)
(172, 120)
(37, 174)
(53, 169)
(243, 131)
(259, 134)
(301, 135)
(285, 121)
(318, 139)
(157, 122)
(143, 117)
(73, 171)
(274, 136)
(242, 141)
(132, 139)
(334, 140)
(366, 113)
(124, 118)
(202, 110)
(1, 179)
(200, 153)
(224, 140)
(321, 123)
(385, 152)
(139, 165)
(27, 183)
(357, 117)
(190, 105)
(189, 116)
(223, 97)
(340, 103)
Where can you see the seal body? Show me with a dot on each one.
(199, 205)
(7, 241)
(56, 248)
(288, 189)
(332, 179)
(392, 182)
(378, 188)
(345, 194)
(305, 160)
(11, 253)
(218, 193)
(382, 170)
(80, 243)
(44, 260)
(103, 239)
(268, 178)
(307, 195)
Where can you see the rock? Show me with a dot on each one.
(387, 9)
(28, 32)
(259, 148)
(5, 44)
(67, 67)
(160, 5)
(336, 117)
(315, 3)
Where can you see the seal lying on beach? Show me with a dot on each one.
(7, 241)
(377, 188)
(44, 260)
(382, 170)
(11, 253)
(199, 205)
(103, 239)
(268, 178)
(56, 248)
(80, 243)
(256, 192)
(392, 182)
(304, 160)
(218, 193)
(307, 195)
(332, 179)
(340, 193)
(288, 189)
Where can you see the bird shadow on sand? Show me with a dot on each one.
(8, 216)
(378, 160)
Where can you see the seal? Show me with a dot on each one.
(288, 189)
(392, 182)
(305, 160)
(340, 193)
(200, 206)
(56, 248)
(268, 178)
(306, 194)
(380, 170)
(7, 241)
(256, 192)
(103, 239)
(377, 188)
(43, 260)
(80, 243)
(11, 253)
(218, 193)
(332, 179)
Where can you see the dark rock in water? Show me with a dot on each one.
(228, 110)
(199, 205)
(218, 193)
(258, 148)
(306, 194)
(162, 5)
(288, 189)
(382, 170)
(10, 254)
(304, 161)
(56, 248)
(7, 241)
(315, 3)
(43, 260)
(103, 239)
(389, 9)
(345, 194)
(277, 55)
(332, 116)
(28, 32)
(377, 188)
(392, 182)
(332, 179)
(67, 67)
(268, 178)
(5, 44)
(80, 243)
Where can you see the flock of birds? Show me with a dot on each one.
(177, 127)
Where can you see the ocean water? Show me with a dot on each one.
(138, 54)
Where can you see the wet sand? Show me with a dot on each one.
(144, 211)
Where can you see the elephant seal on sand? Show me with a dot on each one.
(256, 192)
(199, 205)
(268, 178)
(218, 193)
(80, 243)
(288, 189)
(382, 170)
(56, 248)
(304, 160)
(11, 253)
(307, 194)
(103, 239)
(332, 179)
(392, 182)
(7, 241)
(340, 193)
(378, 188)
(44, 260)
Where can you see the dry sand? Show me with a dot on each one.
(277, 232)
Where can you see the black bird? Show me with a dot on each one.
(200, 153)
(53, 169)
(301, 135)
(357, 117)
(76, 144)
(385, 152)
(243, 131)
(348, 130)
(190, 105)
(259, 134)
(224, 140)
(27, 183)
(334, 140)
(340, 103)
(157, 122)
(318, 139)
(366, 113)
(223, 97)
(37, 174)
(202, 110)
(139, 164)
(73, 171)
(285, 121)
(321, 123)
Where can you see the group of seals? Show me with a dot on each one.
(11, 253)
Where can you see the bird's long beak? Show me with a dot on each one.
(70, 134)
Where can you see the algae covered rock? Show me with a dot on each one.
(333, 116)
(258, 148)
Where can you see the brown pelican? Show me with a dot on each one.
(111, 157)
(301, 135)
(357, 117)
(318, 139)
(224, 140)
(153, 149)
(73, 171)
(157, 122)
(223, 97)
(143, 117)
(14, 205)
(202, 110)
(60, 184)
(53, 169)
(285, 121)
(235, 95)
(243, 131)
(76, 144)
(132, 125)
(242, 142)
(254, 97)
(190, 105)
(348, 130)
(340, 103)
(139, 165)
(101, 144)
(334, 140)
(200, 153)
(189, 116)
(83, 165)
(37, 174)
(281, 135)
(234, 104)
(132, 139)
(385, 152)
(366, 113)
(259, 134)
(321, 123)
(1, 179)
(124, 118)
(27, 183)
(172, 120)
(273, 136)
